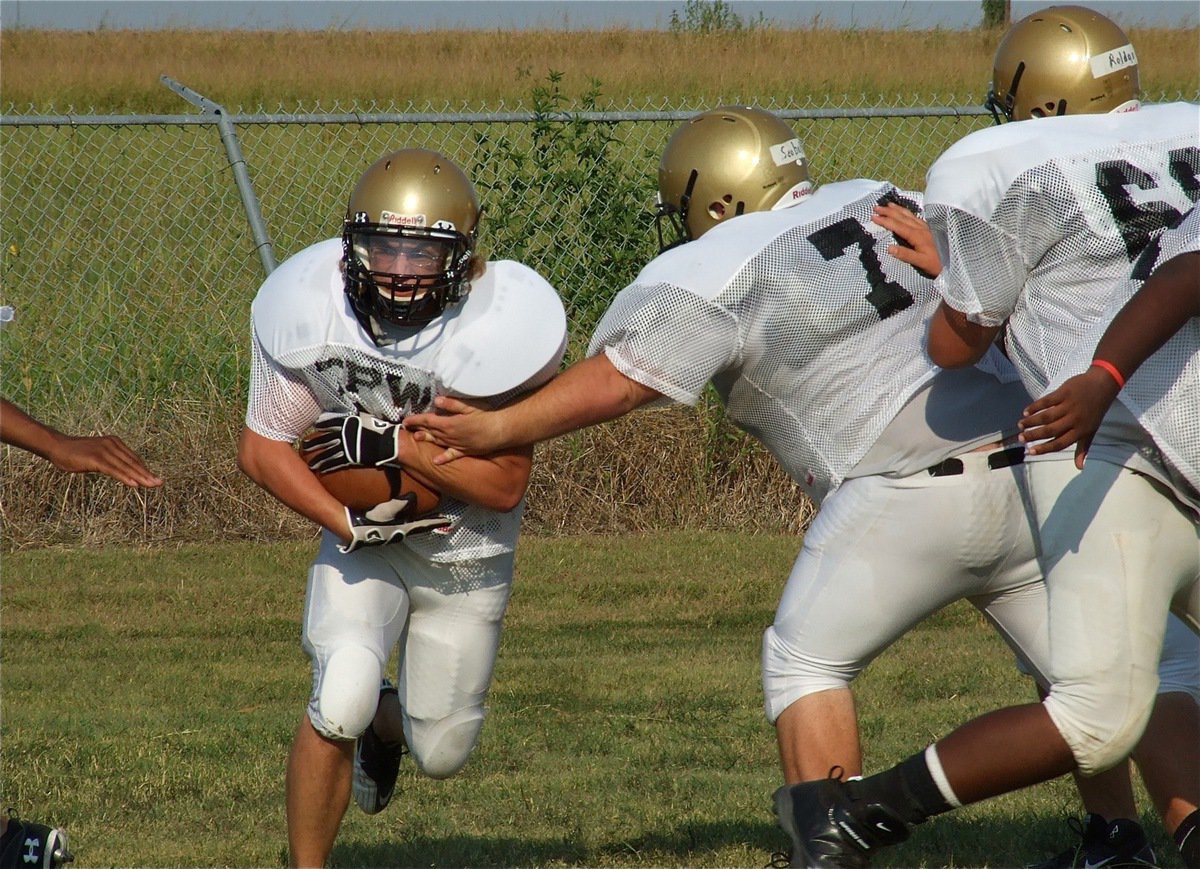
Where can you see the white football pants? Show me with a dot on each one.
(882, 554)
(1118, 552)
(446, 618)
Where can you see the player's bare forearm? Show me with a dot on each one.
(1168, 299)
(101, 454)
(497, 481)
(918, 248)
(1072, 414)
(587, 393)
(278, 469)
(956, 342)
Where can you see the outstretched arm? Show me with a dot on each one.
(101, 454)
(1072, 413)
(587, 393)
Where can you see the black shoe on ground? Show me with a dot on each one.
(1121, 843)
(1125, 844)
(1090, 832)
(376, 766)
(830, 828)
(32, 846)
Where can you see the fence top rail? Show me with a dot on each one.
(467, 117)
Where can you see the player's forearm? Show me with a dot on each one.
(1167, 300)
(280, 471)
(497, 481)
(956, 342)
(21, 430)
(588, 393)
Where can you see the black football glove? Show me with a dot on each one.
(388, 522)
(347, 441)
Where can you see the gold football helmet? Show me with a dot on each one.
(1063, 60)
(726, 162)
(408, 239)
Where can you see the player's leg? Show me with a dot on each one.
(448, 654)
(318, 791)
(1174, 722)
(871, 541)
(354, 613)
(1116, 550)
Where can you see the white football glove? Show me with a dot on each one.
(356, 440)
(387, 522)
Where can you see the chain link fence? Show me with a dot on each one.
(132, 246)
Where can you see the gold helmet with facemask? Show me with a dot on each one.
(408, 239)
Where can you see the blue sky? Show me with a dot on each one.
(515, 14)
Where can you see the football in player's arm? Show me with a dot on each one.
(350, 335)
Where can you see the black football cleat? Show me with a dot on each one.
(376, 766)
(830, 828)
(32, 846)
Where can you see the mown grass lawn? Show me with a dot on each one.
(149, 697)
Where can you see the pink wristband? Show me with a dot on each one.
(1111, 369)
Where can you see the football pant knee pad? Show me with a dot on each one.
(789, 676)
(347, 692)
(1102, 727)
(441, 746)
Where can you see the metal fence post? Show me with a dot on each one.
(233, 150)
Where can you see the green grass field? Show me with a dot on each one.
(149, 698)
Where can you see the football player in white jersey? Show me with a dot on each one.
(1036, 223)
(782, 296)
(1157, 326)
(357, 332)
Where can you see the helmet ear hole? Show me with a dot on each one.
(718, 209)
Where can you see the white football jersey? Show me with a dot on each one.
(811, 333)
(1164, 393)
(1036, 221)
(310, 355)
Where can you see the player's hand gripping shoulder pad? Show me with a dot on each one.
(355, 440)
(389, 522)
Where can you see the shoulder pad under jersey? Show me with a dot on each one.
(511, 329)
(974, 173)
(301, 303)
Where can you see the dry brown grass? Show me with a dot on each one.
(118, 71)
(656, 469)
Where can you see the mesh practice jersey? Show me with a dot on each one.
(310, 355)
(1164, 393)
(1036, 221)
(812, 335)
